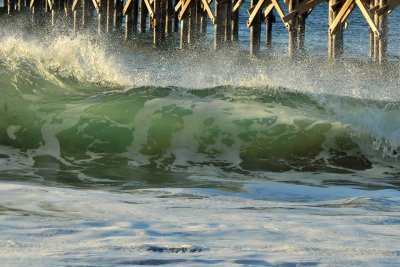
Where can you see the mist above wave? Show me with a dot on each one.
(57, 58)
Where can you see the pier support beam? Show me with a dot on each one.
(20, 5)
(192, 18)
(176, 19)
(10, 7)
(143, 16)
(255, 30)
(218, 27)
(101, 16)
(117, 14)
(203, 20)
(184, 28)
(192, 29)
(383, 29)
(235, 20)
(335, 39)
(131, 12)
(223, 27)
(38, 12)
(159, 21)
(269, 20)
(169, 13)
(301, 34)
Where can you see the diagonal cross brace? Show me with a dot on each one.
(254, 11)
(95, 4)
(237, 5)
(368, 17)
(128, 3)
(48, 2)
(269, 5)
(344, 12)
(280, 12)
(206, 6)
(304, 7)
(390, 5)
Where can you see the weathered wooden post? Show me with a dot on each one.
(176, 19)
(383, 29)
(184, 27)
(269, 20)
(163, 19)
(255, 30)
(235, 20)
(56, 11)
(335, 39)
(203, 20)
(198, 13)
(108, 12)
(10, 7)
(192, 31)
(143, 16)
(169, 13)
(101, 20)
(156, 22)
(90, 15)
(37, 7)
(218, 27)
(21, 5)
(84, 13)
(301, 31)
(75, 19)
(372, 35)
(131, 16)
(228, 22)
(117, 18)
(292, 37)
(375, 46)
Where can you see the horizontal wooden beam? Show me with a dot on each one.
(374, 9)
(390, 5)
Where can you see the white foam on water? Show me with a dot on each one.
(317, 226)
(64, 56)
(12, 159)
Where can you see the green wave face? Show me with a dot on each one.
(74, 118)
(232, 128)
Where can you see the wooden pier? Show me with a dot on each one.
(191, 17)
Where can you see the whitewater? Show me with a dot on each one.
(115, 155)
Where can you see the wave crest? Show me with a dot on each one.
(63, 57)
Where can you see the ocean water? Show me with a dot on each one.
(116, 155)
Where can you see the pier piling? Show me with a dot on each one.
(191, 17)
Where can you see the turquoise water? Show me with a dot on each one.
(112, 155)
